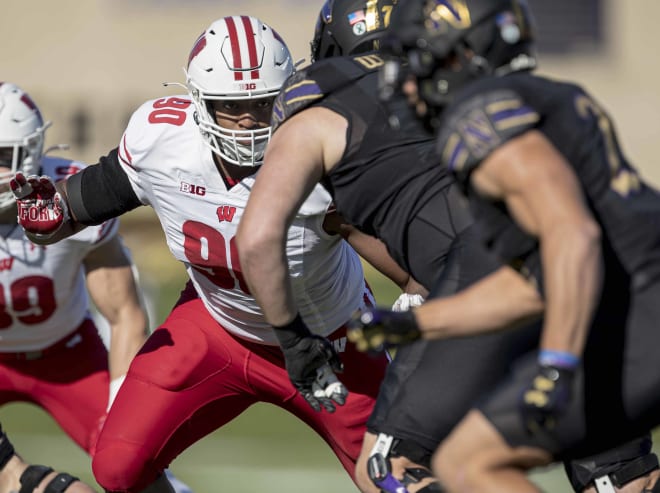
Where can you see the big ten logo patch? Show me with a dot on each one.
(340, 344)
(192, 189)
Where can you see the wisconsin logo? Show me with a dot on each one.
(226, 213)
(6, 263)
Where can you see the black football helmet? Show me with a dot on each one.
(348, 27)
(447, 43)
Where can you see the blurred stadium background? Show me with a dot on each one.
(88, 64)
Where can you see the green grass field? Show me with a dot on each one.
(265, 449)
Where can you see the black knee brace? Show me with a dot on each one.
(613, 468)
(415, 475)
(380, 471)
(33, 475)
(60, 483)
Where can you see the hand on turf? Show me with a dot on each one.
(546, 397)
(41, 209)
(376, 329)
(311, 363)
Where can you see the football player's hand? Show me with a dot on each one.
(41, 209)
(376, 329)
(406, 301)
(546, 397)
(311, 364)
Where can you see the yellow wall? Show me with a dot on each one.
(113, 54)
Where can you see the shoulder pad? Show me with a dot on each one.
(154, 121)
(310, 85)
(475, 126)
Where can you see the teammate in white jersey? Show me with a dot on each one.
(51, 354)
(192, 158)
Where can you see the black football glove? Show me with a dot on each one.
(377, 329)
(546, 397)
(311, 362)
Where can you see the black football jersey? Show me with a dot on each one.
(493, 110)
(389, 168)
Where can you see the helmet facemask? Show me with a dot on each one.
(236, 59)
(239, 147)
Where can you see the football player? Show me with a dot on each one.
(379, 164)
(193, 158)
(384, 178)
(51, 354)
(556, 198)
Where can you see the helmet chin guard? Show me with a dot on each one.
(236, 58)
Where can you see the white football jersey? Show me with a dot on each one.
(43, 295)
(172, 170)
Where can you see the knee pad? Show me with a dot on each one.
(613, 468)
(33, 475)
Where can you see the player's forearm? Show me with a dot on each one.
(264, 266)
(572, 267)
(499, 301)
(375, 252)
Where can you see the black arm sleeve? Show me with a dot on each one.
(100, 192)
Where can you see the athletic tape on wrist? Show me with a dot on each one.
(560, 359)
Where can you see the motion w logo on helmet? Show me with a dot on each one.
(453, 12)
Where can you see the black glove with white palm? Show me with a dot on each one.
(311, 362)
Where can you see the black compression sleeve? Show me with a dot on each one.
(100, 192)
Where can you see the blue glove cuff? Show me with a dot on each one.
(559, 359)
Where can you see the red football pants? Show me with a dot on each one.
(70, 383)
(192, 377)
